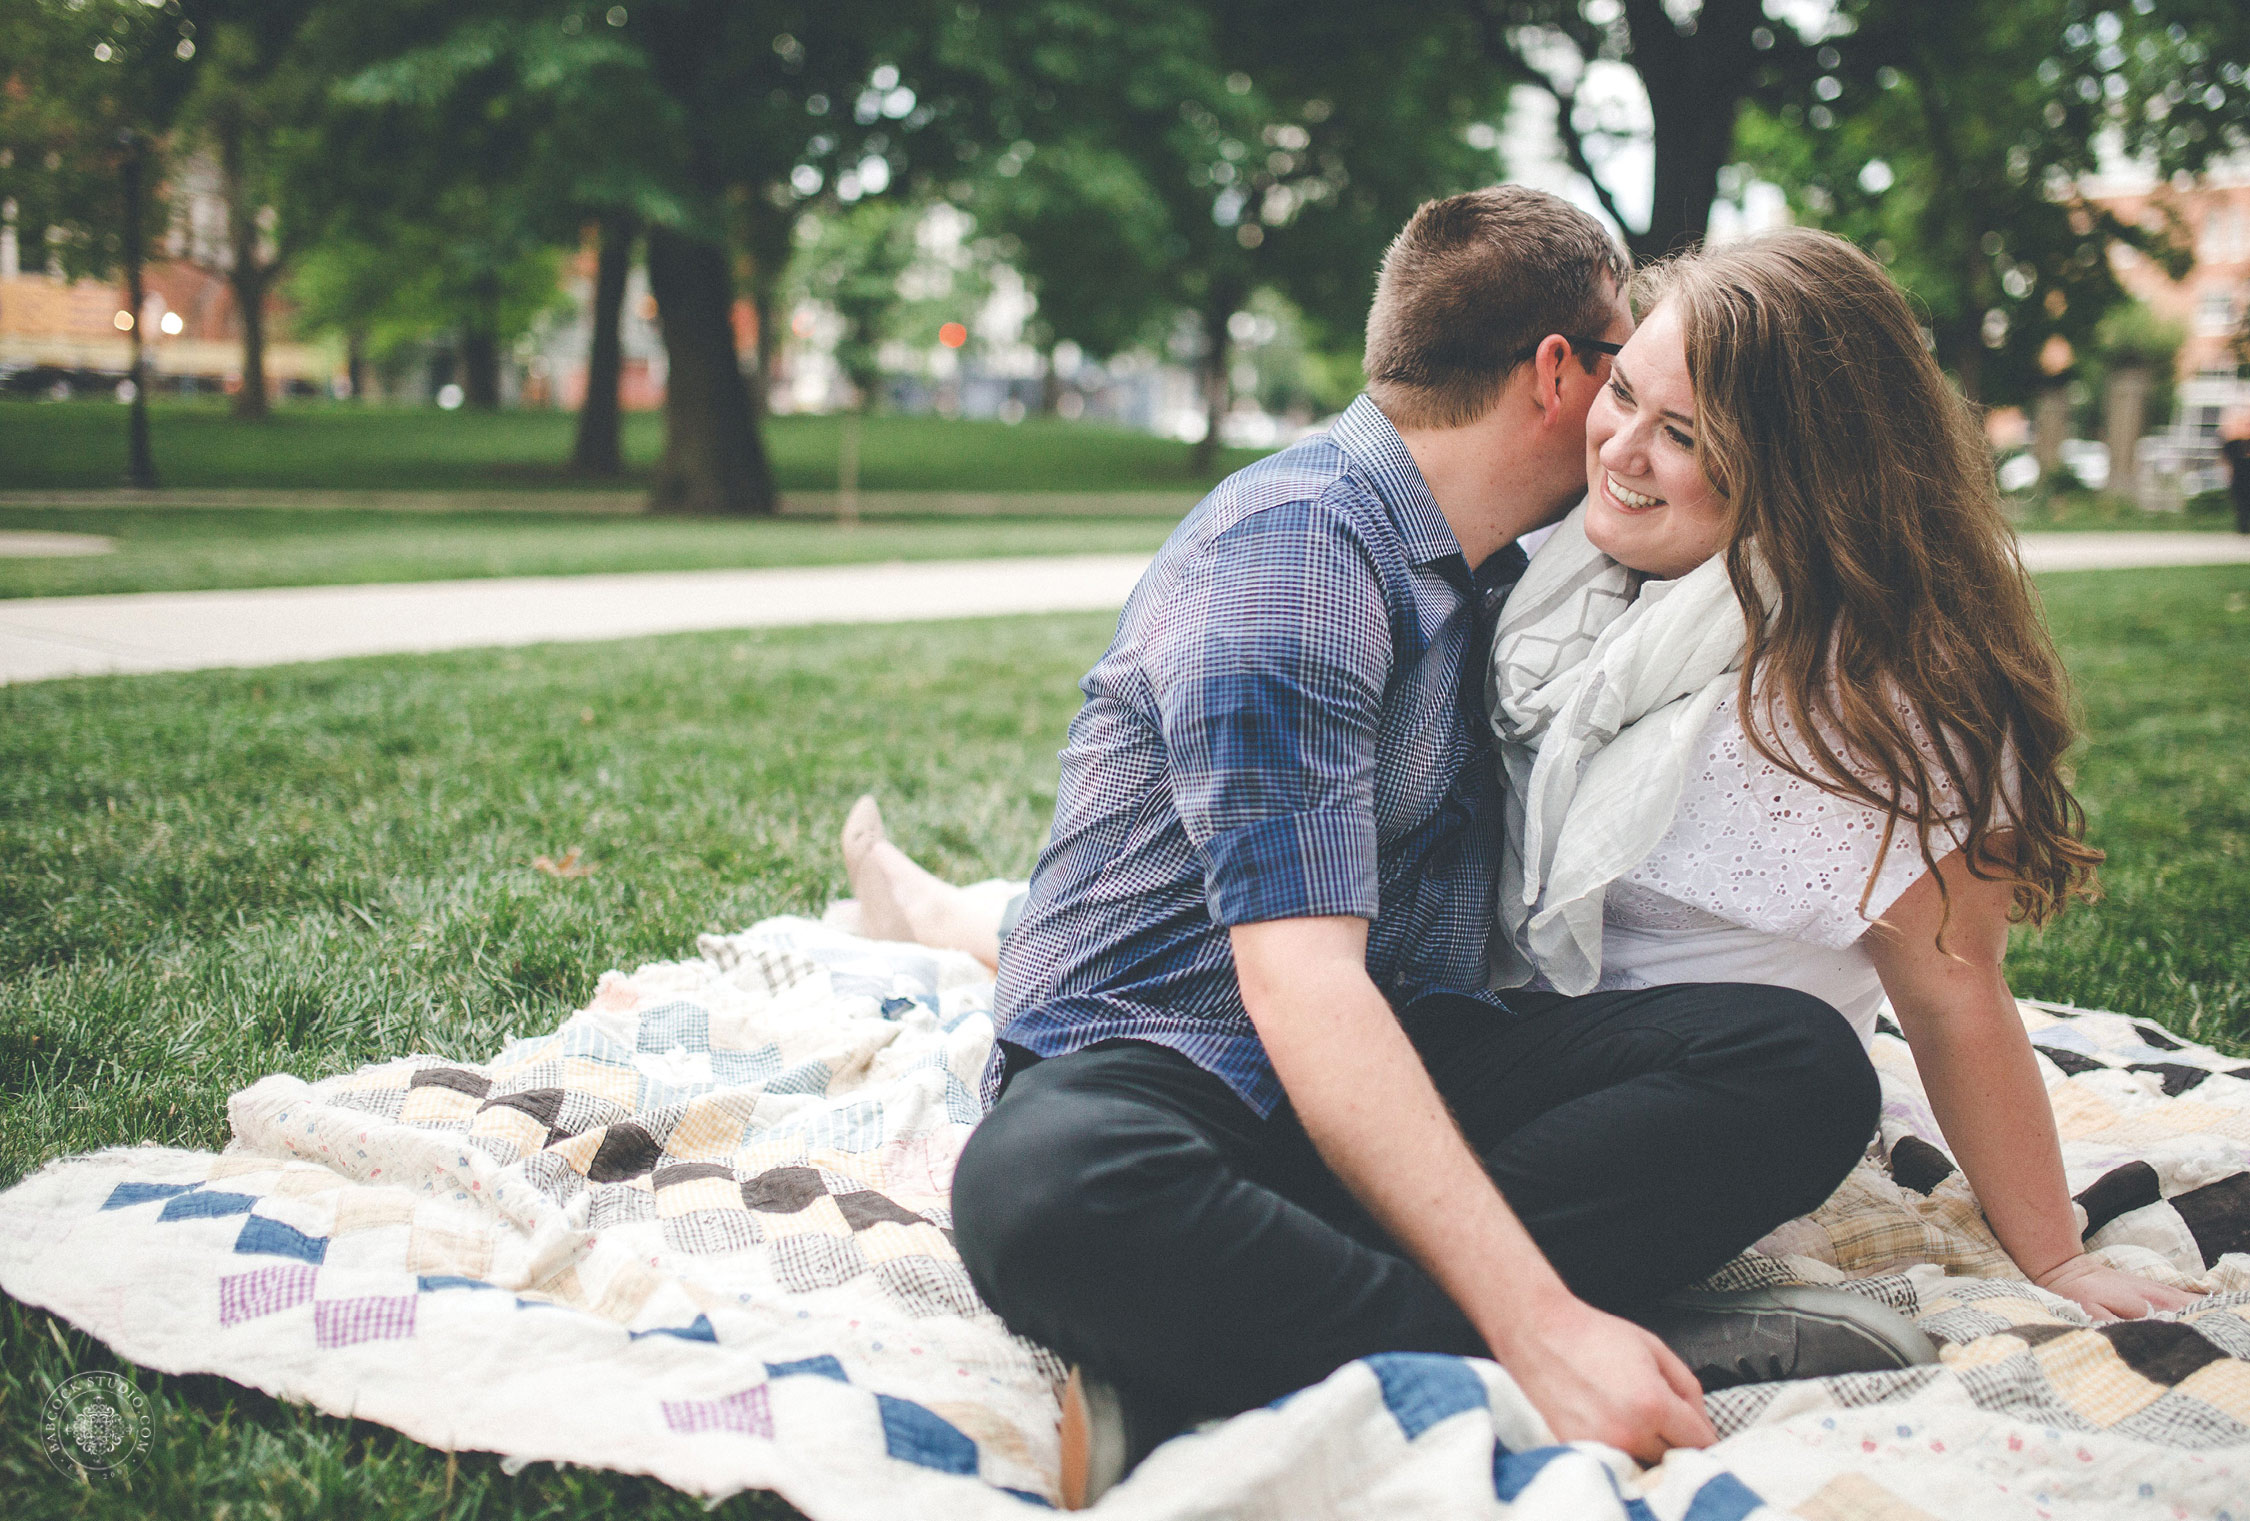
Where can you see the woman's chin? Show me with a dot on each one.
(1645, 559)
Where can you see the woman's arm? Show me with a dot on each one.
(1984, 1085)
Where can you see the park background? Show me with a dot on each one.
(298, 292)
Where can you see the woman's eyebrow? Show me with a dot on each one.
(1618, 377)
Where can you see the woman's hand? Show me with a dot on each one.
(2108, 1293)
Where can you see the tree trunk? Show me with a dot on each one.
(1696, 82)
(2124, 415)
(2050, 425)
(847, 468)
(1050, 383)
(480, 368)
(246, 276)
(598, 450)
(355, 364)
(480, 349)
(714, 460)
(140, 463)
(1218, 384)
(771, 236)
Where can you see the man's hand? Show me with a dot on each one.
(1361, 1092)
(1601, 1379)
(2108, 1293)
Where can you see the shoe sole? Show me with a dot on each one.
(1093, 1441)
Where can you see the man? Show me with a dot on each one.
(1253, 1113)
(2234, 448)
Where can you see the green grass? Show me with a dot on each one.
(208, 877)
(190, 549)
(2081, 511)
(2162, 660)
(80, 445)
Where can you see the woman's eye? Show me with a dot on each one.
(1617, 389)
(1679, 438)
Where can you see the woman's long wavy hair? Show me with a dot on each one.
(1898, 633)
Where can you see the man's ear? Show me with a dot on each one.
(1548, 375)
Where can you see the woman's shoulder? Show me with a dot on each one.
(1757, 844)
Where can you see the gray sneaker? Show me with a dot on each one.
(1761, 1336)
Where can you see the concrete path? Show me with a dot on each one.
(2130, 551)
(614, 503)
(46, 637)
(38, 544)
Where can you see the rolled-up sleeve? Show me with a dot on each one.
(1269, 665)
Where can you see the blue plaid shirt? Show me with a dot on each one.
(1289, 724)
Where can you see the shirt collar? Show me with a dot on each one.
(1367, 438)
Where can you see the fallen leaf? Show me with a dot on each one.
(568, 866)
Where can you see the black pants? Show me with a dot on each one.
(1122, 1206)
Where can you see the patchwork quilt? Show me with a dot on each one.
(700, 1232)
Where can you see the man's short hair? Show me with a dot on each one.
(1473, 282)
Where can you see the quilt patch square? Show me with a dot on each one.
(436, 1107)
(442, 1250)
(1421, 1389)
(126, 1195)
(267, 1291)
(206, 1205)
(261, 1234)
(372, 1209)
(349, 1322)
(914, 1434)
(748, 1413)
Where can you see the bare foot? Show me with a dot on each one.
(898, 900)
(880, 916)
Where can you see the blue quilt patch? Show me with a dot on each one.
(126, 1195)
(207, 1206)
(1421, 1389)
(823, 1366)
(1722, 1498)
(915, 1435)
(260, 1234)
(1512, 1472)
(698, 1330)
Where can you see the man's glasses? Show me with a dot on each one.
(1589, 350)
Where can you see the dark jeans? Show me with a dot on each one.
(1122, 1206)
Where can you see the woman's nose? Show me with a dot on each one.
(1624, 451)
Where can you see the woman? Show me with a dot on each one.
(1776, 706)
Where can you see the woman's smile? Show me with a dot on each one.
(1627, 498)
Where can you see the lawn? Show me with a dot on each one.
(191, 549)
(207, 877)
(80, 445)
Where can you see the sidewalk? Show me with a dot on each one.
(46, 637)
(628, 503)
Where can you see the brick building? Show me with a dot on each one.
(2211, 303)
(74, 333)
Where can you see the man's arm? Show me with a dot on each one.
(1361, 1092)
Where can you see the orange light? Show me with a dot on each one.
(953, 335)
(123, 322)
